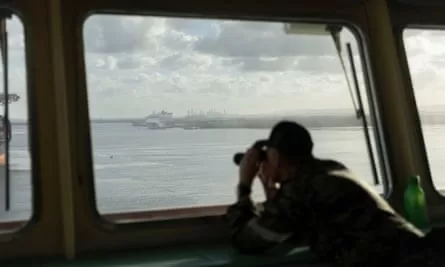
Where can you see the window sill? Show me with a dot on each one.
(161, 215)
(139, 216)
(208, 255)
(11, 226)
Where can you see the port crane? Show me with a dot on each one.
(5, 125)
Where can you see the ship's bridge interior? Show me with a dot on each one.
(85, 182)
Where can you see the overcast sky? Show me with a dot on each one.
(139, 64)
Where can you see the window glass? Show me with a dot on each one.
(15, 181)
(172, 99)
(426, 58)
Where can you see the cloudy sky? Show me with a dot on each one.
(139, 64)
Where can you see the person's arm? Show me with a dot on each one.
(256, 233)
(269, 186)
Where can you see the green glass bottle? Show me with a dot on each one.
(415, 204)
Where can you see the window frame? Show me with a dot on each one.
(427, 181)
(14, 228)
(405, 17)
(100, 233)
(124, 217)
(24, 238)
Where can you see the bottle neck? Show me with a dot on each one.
(414, 181)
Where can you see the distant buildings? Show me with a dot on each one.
(210, 113)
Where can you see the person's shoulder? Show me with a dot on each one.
(330, 172)
(324, 166)
(337, 179)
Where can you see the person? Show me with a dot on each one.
(321, 203)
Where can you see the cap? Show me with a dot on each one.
(288, 138)
(291, 139)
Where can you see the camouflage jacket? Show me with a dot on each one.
(341, 218)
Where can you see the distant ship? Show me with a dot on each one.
(160, 115)
(154, 124)
(154, 121)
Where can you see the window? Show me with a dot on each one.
(426, 59)
(15, 181)
(171, 100)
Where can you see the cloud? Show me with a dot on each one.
(16, 65)
(321, 64)
(16, 34)
(426, 58)
(262, 63)
(409, 33)
(216, 89)
(110, 34)
(438, 62)
(260, 39)
(242, 67)
(130, 62)
(138, 64)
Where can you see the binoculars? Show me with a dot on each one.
(260, 145)
(239, 156)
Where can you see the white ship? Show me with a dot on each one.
(154, 121)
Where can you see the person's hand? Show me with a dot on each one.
(268, 184)
(249, 166)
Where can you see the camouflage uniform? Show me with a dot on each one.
(341, 218)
